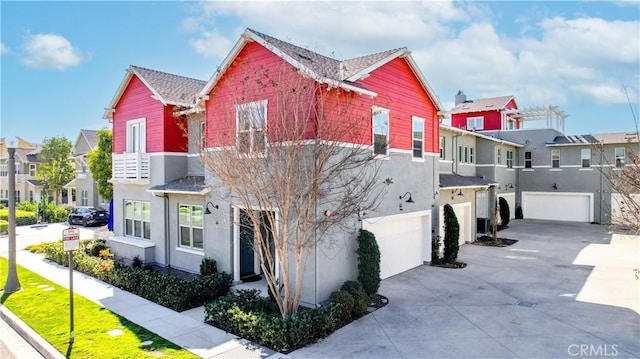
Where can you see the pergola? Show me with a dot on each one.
(552, 114)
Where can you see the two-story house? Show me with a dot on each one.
(82, 190)
(165, 192)
(27, 160)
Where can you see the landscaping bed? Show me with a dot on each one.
(489, 242)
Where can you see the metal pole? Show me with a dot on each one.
(71, 335)
(13, 284)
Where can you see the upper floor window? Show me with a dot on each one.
(585, 156)
(137, 219)
(191, 226)
(251, 122)
(509, 159)
(380, 118)
(528, 159)
(499, 156)
(4, 172)
(203, 134)
(620, 156)
(442, 147)
(555, 158)
(417, 125)
(511, 124)
(84, 198)
(32, 169)
(475, 123)
(136, 136)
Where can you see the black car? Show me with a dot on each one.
(88, 216)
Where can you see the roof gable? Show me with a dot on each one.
(169, 89)
(484, 104)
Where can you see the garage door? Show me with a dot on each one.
(463, 214)
(404, 241)
(565, 206)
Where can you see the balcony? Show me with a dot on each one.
(134, 167)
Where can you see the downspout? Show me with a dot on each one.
(601, 183)
(167, 244)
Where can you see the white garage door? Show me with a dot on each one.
(463, 214)
(511, 200)
(404, 241)
(563, 206)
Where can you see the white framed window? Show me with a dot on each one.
(137, 136)
(251, 124)
(460, 153)
(380, 119)
(191, 226)
(509, 159)
(466, 154)
(17, 196)
(31, 196)
(555, 158)
(84, 198)
(33, 168)
(470, 154)
(4, 170)
(475, 123)
(585, 156)
(203, 135)
(137, 219)
(417, 134)
(442, 147)
(499, 156)
(511, 124)
(528, 159)
(620, 156)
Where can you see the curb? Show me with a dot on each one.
(42, 346)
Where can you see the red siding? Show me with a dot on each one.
(400, 91)
(492, 118)
(164, 134)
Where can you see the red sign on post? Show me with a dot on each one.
(71, 239)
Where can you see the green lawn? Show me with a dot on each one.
(46, 311)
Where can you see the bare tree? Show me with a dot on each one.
(296, 155)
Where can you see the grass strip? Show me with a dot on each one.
(44, 306)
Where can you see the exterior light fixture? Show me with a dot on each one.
(555, 186)
(410, 200)
(207, 210)
(509, 186)
(460, 193)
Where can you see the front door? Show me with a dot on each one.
(247, 236)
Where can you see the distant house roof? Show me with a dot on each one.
(322, 68)
(484, 135)
(28, 155)
(167, 88)
(484, 104)
(617, 137)
(185, 185)
(35, 183)
(457, 181)
(91, 136)
(572, 140)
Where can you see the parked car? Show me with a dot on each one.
(88, 216)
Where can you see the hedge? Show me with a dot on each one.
(23, 218)
(167, 290)
(4, 226)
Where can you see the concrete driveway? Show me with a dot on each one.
(565, 290)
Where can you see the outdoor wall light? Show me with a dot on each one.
(410, 200)
(460, 193)
(555, 186)
(206, 207)
(509, 186)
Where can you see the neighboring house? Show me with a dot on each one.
(82, 190)
(163, 195)
(27, 159)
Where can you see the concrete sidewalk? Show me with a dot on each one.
(185, 329)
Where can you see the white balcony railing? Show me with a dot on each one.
(131, 166)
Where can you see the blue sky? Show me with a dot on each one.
(62, 62)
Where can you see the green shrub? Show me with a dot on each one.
(451, 235)
(4, 226)
(246, 314)
(26, 206)
(344, 303)
(505, 213)
(56, 214)
(23, 218)
(208, 266)
(368, 262)
(519, 214)
(360, 297)
(97, 247)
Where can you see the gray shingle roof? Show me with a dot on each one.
(91, 136)
(573, 140)
(483, 104)
(458, 181)
(188, 184)
(174, 89)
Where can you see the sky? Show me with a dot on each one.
(62, 62)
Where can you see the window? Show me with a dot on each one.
(442, 147)
(73, 194)
(17, 196)
(84, 198)
(499, 156)
(30, 196)
(470, 154)
(4, 172)
(136, 136)
(511, 124)
(555, 158)
(459, 153)
(32, 169)
(137, 219)
(466, 154)
(620, 156)
(191, 232)
(475, 123)
(585, 155)
(418, 136)
(251, 122)
(509, 159)
(380, 131)
(528, 159)
(203, 134)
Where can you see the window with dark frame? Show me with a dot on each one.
(555, 158)
(528, 159)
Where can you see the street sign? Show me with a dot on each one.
(71, 239)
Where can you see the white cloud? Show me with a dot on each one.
(50, 51)
(3, 49)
